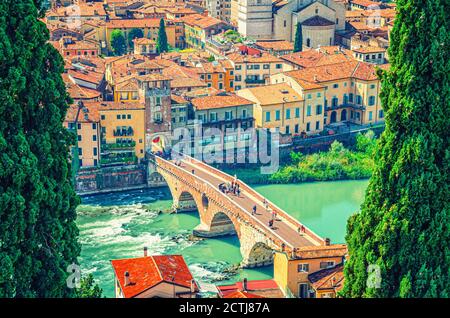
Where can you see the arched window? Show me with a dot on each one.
(308, 42)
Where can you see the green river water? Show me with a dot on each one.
(119, 225)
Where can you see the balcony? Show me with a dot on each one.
(118, 159)
(255, 81)
(123, 132)
(118, 146)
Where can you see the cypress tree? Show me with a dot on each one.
(38, 234)
(403, 226)
(161, 43)
(298, 41)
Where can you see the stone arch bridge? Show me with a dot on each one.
(194, 185)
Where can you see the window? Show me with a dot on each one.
(209, 76)
(371, 100)
(95, 162)
(309, 96)
(317, 125)
(372, 86)
(381, 114)
(288, 114)
(267, 116)
(358, 99)
(238, 67)
(80, 151)
(296, 129)
(237, 87)
(279, 66)
(284, 23)
(350, 97)
(335, 85)
(288, 130)
(213, 116)
(102, 117)
(220, 85)
(228, 115)
(158, 101)
(129, 116)
(266, 66)
(319, 94)
(71, 125)
(303, 268)
(303, 290)
(308, 126)
(308, 110)
(124, 116)
(118, 117)
(94, 137)
(238, 78)
(308, 42)
(370, 116)
(297, 112)
(94, 126)
(277, 115)
(79, 137)
(94, 151)
(79, 126)
(256, 67)
(244, 113)
(326, 264)
(318, 109)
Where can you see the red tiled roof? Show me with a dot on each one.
(146, 272)
(329, 278)
(219, 101)
(242, 294)
(317, 21)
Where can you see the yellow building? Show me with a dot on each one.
(122, 132)
(280, 106)
(85, 123)
(351, 92)
(311, 272)
(198, 28)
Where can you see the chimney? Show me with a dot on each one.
(192, 286)
(315, 78)
(145, 251)
(333, 281)
(244, 284)
(126, 278)
(327, 241)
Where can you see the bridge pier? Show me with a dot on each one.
(220, 226)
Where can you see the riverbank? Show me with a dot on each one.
(338, 163)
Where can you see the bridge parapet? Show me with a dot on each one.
(288, 219)
(240, 216)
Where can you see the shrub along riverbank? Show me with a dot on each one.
(339, 163)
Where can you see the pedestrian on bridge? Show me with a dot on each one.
(254, 210)
(271, 224)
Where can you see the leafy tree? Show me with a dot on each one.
(403, 226)
(298, 41)
(161, 43)
(88, 288)
(134, 34)
(38, 234)
(118, 43)
(366, 142)
(211, 58)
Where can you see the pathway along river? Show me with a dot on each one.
(119, 225)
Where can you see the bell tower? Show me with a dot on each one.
(255, 18)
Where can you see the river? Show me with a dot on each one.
(119, 225)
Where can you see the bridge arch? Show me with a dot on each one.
(259, 255)
(186, 202)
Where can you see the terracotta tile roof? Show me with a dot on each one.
(87, 76)
(90, 9)
(105, 106)
(219, 101)
(333, 72)
(153, 77)
(366, 3)
(241, 294)
(146, 272)
(323, 251)
(127, 85)
(262, 288)
(329, 278)
(264, 58)
(178, 99)
(273, 94)
(317, 57)
(186, 82)
(317, 21)
(202, 92)
(276, 45)
(132, 23)
(77, 92)
(201, 21)
(89, 115)
(144, 41)
(369, 49)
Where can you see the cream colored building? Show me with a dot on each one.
(350, 91)
(281, 107)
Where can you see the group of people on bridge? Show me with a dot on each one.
(233, 187)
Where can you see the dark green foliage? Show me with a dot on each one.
(118, 42)
(298, 41)
(134, 34)
(38, 234)
(338, 163)
(88, 288)
(161, 42)
(403, 226)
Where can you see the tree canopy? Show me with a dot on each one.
(38, 234)
(400, 240)
(118, 42)
(134, 34)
